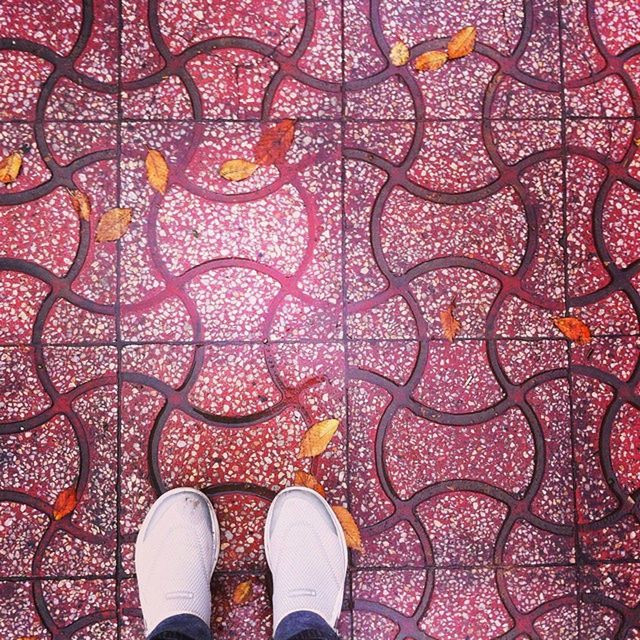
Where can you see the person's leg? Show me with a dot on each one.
(176, 553)
(307, 554)
(304, 625)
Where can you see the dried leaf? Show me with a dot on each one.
(304, 479)
(450, 324)
(637, 142)
(81, 203)
(243, 592)
(431, 60)
(27, 638)
(350, 528)
(462, 43)
(237, 170)
(113, 225)
(574, 329)
(65, 503)
(399, 54)
(10, 167)
(275, 142)
(157, 170)
(317, 437)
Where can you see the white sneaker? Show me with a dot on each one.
(176, 551)
(307, 554)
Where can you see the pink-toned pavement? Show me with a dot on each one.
(495, 478)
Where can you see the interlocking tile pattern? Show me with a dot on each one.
(496, 478)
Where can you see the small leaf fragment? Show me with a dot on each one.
(637, 142)
(81, 203)
(350, 528)
(304, 479)
(399, 54)
(274, 143)
(574, 329)
(243, 592)
(65, 503)
(462, 43)
(157, 170)
(113, 225)
(10, 167)
(450, 324)
(317, 437)
(237, 170)
(431, 60)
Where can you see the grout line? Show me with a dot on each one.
(565, 248)
(119, 346)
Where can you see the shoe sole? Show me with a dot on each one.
(336, 523)
(139, 555)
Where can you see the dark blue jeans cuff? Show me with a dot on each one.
(304, 625)
(181, 627)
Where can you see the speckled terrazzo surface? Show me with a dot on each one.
(495, 478)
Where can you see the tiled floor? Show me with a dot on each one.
(495, 478)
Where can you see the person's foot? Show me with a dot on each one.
(307, 554)
(176, 551)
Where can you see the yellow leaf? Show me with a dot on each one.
(157, 170)
(431, 60)
(113, 225)
(574, 329)
(243, 592)
(81, 203)
(10, 167)
(450, 325)
(462, 43)
(65, 503)
(304, 479)
(637, 142)
(317, 437)
(236, 170)
(350, 528)
(399, 54)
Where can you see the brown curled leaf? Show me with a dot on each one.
(399, 54)
(317, 437)
(350, 528)
(81, 203)
(450, 324)
(304, 479)
(10, 167)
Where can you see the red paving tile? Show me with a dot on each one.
(495, 478)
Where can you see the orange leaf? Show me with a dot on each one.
(275, 142)
(237, 170)
(637, 142)
(574, 329)
(65, 503)
(10, 167)
(243, 592)
(304, 479)
(317, 437)
(81, 203)
(27, 638)
(450, 325)
(399, 54)
(462, 43)
(431, 60)
(350, 528)
(157, 170)
(113, 225)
